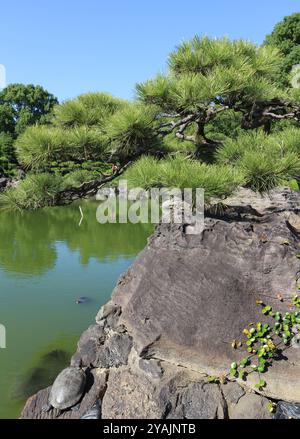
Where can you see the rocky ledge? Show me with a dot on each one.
(174, 313)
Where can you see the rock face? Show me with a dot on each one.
(174, 314)
(3, 183)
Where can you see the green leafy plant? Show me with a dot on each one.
(265, 341)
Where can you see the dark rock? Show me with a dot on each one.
(242, 405)
(175, 312)
(106, 310)
(287, 410)
(76, 360)
(152, 368)
(115, 351)
(250, 406)
(130, 396)
(256, 205)
(99, 347)
(109, 315)
(3, 183)
(94, 412)
(201, 401)
(232, 392)
(88, 346)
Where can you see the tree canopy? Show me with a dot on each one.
(208, 77)
(24, 105)
(218, 118)
(286, 37)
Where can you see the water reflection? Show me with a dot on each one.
(47, 262)
(28, 240)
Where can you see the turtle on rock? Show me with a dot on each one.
(67, 390)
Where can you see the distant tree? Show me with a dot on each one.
(286, 34)
(7, 122)
(286, 37)
(23, 105)
(76, 133)
(7, 154)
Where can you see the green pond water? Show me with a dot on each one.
(47, 261)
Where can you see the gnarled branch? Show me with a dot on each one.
(88, 189)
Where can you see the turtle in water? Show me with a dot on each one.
(82, 300)
(67, 389)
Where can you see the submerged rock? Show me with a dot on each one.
(43, 374)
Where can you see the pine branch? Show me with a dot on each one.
(88, 189)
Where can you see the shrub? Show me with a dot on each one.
(217, 181)
(264, 171)
(39, 145)
(77, 178)
(131, 131)
(87, 109)
(234, 149)
(287, 140)
(34, 192)
(266, 161)
(85, 143)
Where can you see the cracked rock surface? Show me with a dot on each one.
(175, 312)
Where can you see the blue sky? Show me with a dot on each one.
(75, 46)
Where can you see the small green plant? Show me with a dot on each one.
(271, 406)
(265, 341)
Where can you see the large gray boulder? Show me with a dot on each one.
(187, 297)
(175, 312)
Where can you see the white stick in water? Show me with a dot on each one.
(81, 213)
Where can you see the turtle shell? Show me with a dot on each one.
(68, 388)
